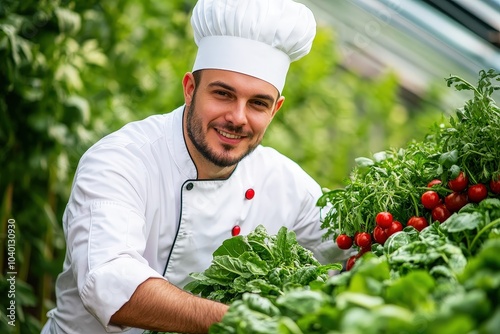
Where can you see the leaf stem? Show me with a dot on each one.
(483, 230)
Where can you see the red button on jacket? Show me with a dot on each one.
(250, 193)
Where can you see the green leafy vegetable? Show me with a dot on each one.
(258, 263)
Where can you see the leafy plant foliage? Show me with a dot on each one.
(260, 263)
(394, 179)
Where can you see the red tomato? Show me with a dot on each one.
(433, 182)
(395, 227)
(477, 192)
(384, 219)
(350, 262)
(419, 223)
(430, 199)
(363, 240)
(363, 250)
(380, 235)
(355, 238)
(455, 201)
(495, 186)
(440, 213)
(459, 183)
(344, 241)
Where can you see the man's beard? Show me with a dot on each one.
(195, 133)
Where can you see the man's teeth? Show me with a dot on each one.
(228, 135)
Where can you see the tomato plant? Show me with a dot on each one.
(495, 186)
(380, 235)
(384, 219)
(459, 183)
(344, 241)
(477, 193)
(363, 239)
(419, 223)
(395, 227)
(430, 199)
(433, 183)
(455, 201)
(440, 213)
(350, 262)
(363, 250)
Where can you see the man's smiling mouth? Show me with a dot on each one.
(228, 135)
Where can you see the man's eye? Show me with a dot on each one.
(260, 103)
(221, 93)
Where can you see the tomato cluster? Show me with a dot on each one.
(385, 227)
(439, 207)
(462, 193)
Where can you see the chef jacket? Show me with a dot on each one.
(137, 211)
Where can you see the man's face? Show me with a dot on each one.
(228, 114)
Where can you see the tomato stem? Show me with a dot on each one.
(484, 229)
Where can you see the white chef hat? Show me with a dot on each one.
(255, 37)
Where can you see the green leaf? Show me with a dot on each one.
(454, 171)
(463, 221)
(303, 276)
(285, 240)
(69, 21)
(81, 106)
(234, 247)
(260, 304)
(474, 303)
(302, 302)
(347, 299)
(420, 283)
(254, 264)
(363, 162)
(448, 159)
(262, 287)
(226, 268)
(397, 240)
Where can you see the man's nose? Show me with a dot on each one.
(237, 115)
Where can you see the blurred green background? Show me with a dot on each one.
(73, 71)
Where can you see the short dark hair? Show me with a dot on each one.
(197, 77)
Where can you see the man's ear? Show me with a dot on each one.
(189, 86)
(278, 105)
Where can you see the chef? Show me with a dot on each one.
(152, 201)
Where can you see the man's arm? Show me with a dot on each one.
(158, 305)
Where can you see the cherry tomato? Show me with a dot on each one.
(430, 199)
(363, 250)
(495, 186)
(459, 183)
(380, 235)
(355, 238)
(477, 192)
(419, 223)
(350, 262)
(433, 182)
(384, 219)
(363, 240)
(455, 201)
(440, 213)
(395, 227)
(344, 241)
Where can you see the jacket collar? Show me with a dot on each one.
(177, 145)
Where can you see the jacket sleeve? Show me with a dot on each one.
(106, 229)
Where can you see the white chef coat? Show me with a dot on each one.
(137, 211)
